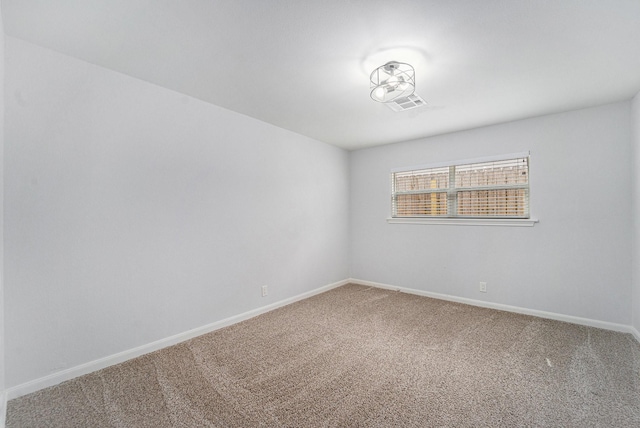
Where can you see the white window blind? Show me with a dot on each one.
(483, 188)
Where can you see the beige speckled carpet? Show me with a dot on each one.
(365, 357)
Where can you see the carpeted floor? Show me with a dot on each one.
(362, 357)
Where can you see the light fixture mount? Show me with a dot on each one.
(392, 80)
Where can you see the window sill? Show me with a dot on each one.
(513, 222)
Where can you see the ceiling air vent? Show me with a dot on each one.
(406, 103)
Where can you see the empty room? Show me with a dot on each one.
(279, 213)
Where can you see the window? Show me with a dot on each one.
(481, 188)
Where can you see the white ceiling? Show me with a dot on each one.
(304, 65)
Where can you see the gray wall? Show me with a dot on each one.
(575, 262)
(635, 130)
(135, 213)
(2, 130)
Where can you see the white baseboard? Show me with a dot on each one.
(542, 314)
(92, 366)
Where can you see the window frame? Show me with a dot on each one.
(451, 218)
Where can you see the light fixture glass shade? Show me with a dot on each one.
(391, 81)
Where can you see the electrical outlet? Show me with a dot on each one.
(264, 290)
(483, 287)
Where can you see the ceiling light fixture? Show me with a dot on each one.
(391, 81)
